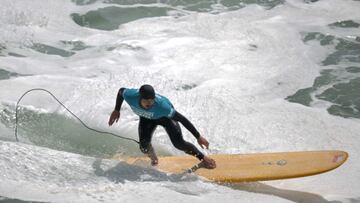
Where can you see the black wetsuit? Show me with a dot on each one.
(172, 127)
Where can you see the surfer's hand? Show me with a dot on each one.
(115, 115)
(203, 142)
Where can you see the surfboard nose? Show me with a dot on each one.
(340, 157)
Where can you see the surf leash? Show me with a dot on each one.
(86, 126)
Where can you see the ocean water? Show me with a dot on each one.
(252, 75)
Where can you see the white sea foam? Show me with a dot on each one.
(228, 73)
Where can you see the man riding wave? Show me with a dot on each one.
(153, 110)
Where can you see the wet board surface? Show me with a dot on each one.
(252, 167)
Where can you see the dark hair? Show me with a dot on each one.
(147, 92)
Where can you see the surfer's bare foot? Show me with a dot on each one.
(154, 162)
(208, 163)
(153, 157)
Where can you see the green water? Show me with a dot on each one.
(346, 24)
(340, 83)
(4, 74)
(61, 132)
(111, 17)
(4, 52)
(50, 50)
(75, 45)
(9, 200)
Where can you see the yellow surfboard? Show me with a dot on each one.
(253, 167)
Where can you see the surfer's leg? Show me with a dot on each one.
(146, 131)
(174, 131)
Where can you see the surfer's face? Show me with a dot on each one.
(147, 103)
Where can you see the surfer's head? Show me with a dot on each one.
(147, 92)
(147, 96)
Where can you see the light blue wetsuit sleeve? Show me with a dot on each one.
(123, 92)
(129, 92)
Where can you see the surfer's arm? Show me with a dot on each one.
(185, 122)
(119, 99)
(115, 115)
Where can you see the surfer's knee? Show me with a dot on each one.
(177, 140)
(145, 149)
(181, 145)
(188, 148)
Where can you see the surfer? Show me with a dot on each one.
(153, 110)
